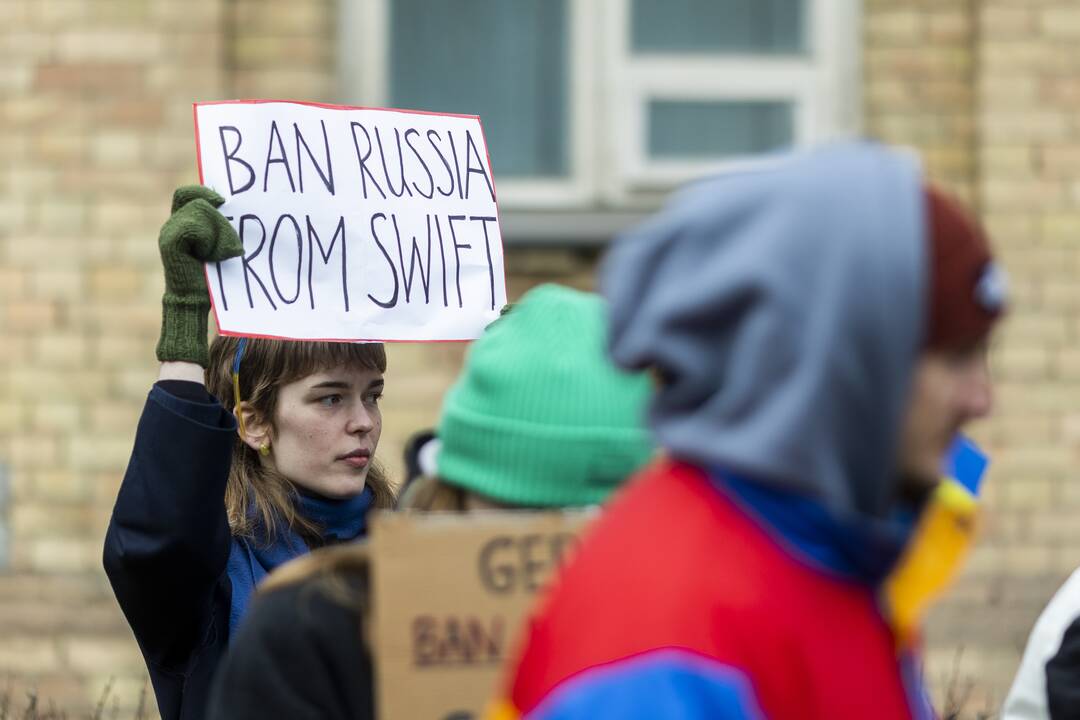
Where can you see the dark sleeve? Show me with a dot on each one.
(298, 654)
(1063, 677)
(186, 390)
(168, 539)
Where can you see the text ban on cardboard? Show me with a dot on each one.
(357, 224)
(451, 592)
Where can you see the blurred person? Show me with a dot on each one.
(1047, 683)
(538, 418)
(420, 452)
(819, 333)
(1063, 670)
(248, 453)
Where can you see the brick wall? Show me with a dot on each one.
(95, 131)
(919, 70)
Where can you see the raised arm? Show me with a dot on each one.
(168, 540)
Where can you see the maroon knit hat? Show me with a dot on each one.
(967, 291)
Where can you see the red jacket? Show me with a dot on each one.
(682, 604)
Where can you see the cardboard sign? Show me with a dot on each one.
(357, 224)
(450, 594)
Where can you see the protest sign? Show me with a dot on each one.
(357, 224)
(451, 592)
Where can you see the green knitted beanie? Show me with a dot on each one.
(539, 417)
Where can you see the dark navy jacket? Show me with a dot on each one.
(168, 543)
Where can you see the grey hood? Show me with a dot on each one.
(784, 308)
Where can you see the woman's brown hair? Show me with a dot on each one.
(266, 365)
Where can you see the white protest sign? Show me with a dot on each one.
(357, 224)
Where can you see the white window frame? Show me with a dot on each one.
(364, 63)
(820, 87)
(610, 90)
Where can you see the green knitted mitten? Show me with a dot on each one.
(195, 233)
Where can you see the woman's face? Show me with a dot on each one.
(326, 429)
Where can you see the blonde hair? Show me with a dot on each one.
(266, 366)
(431, 494)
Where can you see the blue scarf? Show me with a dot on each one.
(854, 547)
(252, 560)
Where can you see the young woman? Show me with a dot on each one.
(538, 418)
(248, 453)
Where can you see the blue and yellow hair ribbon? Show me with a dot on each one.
(240, 347)
(942, 538)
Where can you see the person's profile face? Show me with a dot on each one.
(949, 390)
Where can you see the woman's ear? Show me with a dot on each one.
(253, 430)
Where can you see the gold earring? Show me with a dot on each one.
(264, 450)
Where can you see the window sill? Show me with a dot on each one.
(566, 228)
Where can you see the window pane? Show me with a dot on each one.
(765, 27)
(694, 130)
(504, 61)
